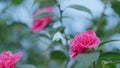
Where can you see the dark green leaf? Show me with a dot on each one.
(113, 56)
(58, 55)
(110, 65)
(101, 30)
(109, 56)
(84, 60)
(101, 44)
(81, 8)
(26, 66)
(16, 1)
(116, 6)
(106, 65)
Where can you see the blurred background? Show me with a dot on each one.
(16, 17)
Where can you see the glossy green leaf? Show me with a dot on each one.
(58, 56)
(110, 65)
(109, 56)
(115, 6)
(26, 66)
(106, 65)
(114, 56)
(84, 60)
(102, 44)
(81, 8)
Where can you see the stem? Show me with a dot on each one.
(61, 16)
(60, 10)
(94, 64)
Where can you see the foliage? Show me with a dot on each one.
(44, 50)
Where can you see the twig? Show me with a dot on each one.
(61, 16)
(94, 64)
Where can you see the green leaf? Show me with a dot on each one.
(15, 2)
(109, 56)
(115, 6)
(84, 60)
(46, 3)
(110, 65)
(106, 65)
(59, 29)
(113, 56)
(58, 55)
(26, 66)
(101, 44)
(81, 8)
(43, 15)
(55, 43)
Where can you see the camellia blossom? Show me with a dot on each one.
(8, 60)
(47, 9)
(82, 42)
(40, 23)
(76, 48)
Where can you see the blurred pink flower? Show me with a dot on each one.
(40, 23)
(82, 42)
(8, 60)
(48, 9)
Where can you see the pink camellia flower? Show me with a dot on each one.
(48, 9)
(76, 48)
(40, 23)
(8, 60)
(82, 42)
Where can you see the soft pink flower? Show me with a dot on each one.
(8, 60)
(40, 23)
(82, 42)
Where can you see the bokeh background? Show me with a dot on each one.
(16, 17)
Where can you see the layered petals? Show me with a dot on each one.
(39, 24)
(82, 42)
(75, 49)
(9, 60)
(87, 39)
